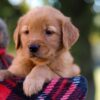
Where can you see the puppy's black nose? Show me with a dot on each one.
(34, 48)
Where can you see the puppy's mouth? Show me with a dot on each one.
(41, 52)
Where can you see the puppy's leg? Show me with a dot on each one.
(19, 67)
(12, 71)
(5, 74)
(64, 65)
(75, 69)
(71, 71)
(68, 71)
(36, 78)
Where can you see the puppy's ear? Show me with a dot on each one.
(17, 39)
(70, 33)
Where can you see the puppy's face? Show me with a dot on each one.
(44, 31)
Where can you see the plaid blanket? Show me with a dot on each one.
(58, 89)
(5, 59)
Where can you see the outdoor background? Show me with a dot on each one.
(85, 14)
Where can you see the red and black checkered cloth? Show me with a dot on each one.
(5, 59)
(58, 89)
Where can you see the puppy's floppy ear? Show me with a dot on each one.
(17, 35)
(70, 33)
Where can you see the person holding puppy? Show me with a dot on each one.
(5, 59)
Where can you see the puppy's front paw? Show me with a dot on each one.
(32, 85)
(3, 74)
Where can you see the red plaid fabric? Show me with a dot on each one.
(58, 89)
(5, 59)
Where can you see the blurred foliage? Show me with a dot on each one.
(10, 14)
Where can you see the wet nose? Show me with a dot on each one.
(34, 48)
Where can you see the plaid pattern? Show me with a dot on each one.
(58, 89)
(5, 59)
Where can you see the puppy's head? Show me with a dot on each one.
(44, 31)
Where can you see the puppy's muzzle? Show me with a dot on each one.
(34, 48)
(39, 50)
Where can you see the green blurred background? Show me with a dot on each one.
(85, 14)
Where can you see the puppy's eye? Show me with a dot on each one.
(26, 32)
(48, 32)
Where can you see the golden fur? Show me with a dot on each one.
(55, 34)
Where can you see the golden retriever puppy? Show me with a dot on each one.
(43, 37)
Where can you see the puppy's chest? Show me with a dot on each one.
(37, 61)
